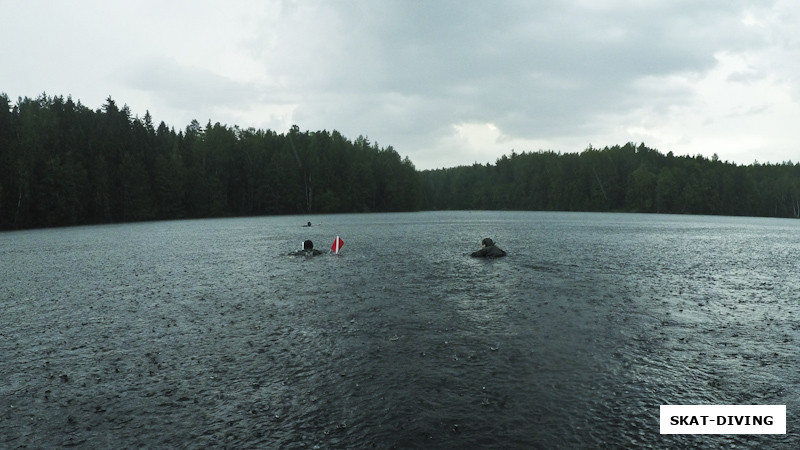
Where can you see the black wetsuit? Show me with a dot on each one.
(313, 252)
(490, 251)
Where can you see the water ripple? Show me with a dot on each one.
(110, 334)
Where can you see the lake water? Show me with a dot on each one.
(203, 334)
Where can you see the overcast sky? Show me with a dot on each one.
(445, 83)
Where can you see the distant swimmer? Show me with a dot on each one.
(488, 250)
(308, 250)
(307, 225)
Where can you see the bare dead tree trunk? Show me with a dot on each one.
(19, 206)
(600, 183)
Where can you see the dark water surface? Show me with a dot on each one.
(204, 334)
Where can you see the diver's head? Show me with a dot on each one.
(487, 242)
(308, 245)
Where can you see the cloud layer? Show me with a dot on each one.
(446, 82)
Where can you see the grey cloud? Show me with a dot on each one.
(184, 87)
(531, 67)
(404, 72)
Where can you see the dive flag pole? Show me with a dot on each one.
(337, 245)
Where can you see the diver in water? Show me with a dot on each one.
(308, 250)
(488, 250)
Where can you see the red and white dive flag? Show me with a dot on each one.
(337, 244)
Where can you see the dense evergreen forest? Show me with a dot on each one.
(626, 178)
(62, 163)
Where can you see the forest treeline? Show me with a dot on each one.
(62, 163)
(627, 178)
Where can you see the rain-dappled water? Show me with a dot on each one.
(205, 334)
